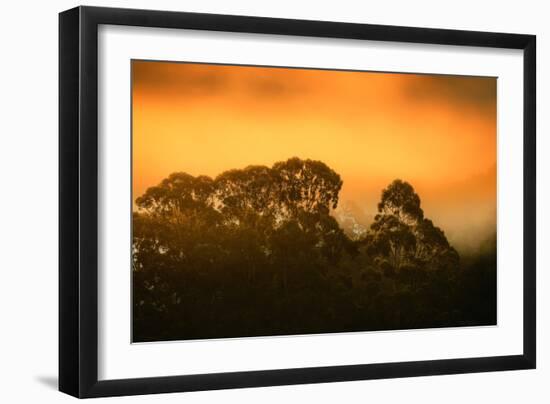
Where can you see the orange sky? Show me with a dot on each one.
(436, 132)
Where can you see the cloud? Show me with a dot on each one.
(198, 79)
(466, 91)
(162, 77)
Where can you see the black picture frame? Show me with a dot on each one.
(78, 201)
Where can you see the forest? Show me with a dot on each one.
(257, 252)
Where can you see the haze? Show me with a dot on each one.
(436, 132)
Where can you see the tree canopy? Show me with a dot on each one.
(257, 251)
(403, 237)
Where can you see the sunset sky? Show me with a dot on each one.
(436, 132)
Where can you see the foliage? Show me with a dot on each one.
(256, 251)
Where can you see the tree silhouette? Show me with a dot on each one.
(402, 237)
(400, 200)
(257, 251)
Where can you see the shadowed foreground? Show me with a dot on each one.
(256, 252)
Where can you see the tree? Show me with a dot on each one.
(400, 200)
(180, 192)
(261, 226)
(252, 190)
(257, 251)
(433, 248)
(402, 237)
(391, 240)
(306, 185)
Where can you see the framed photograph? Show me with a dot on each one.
(250, 201)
